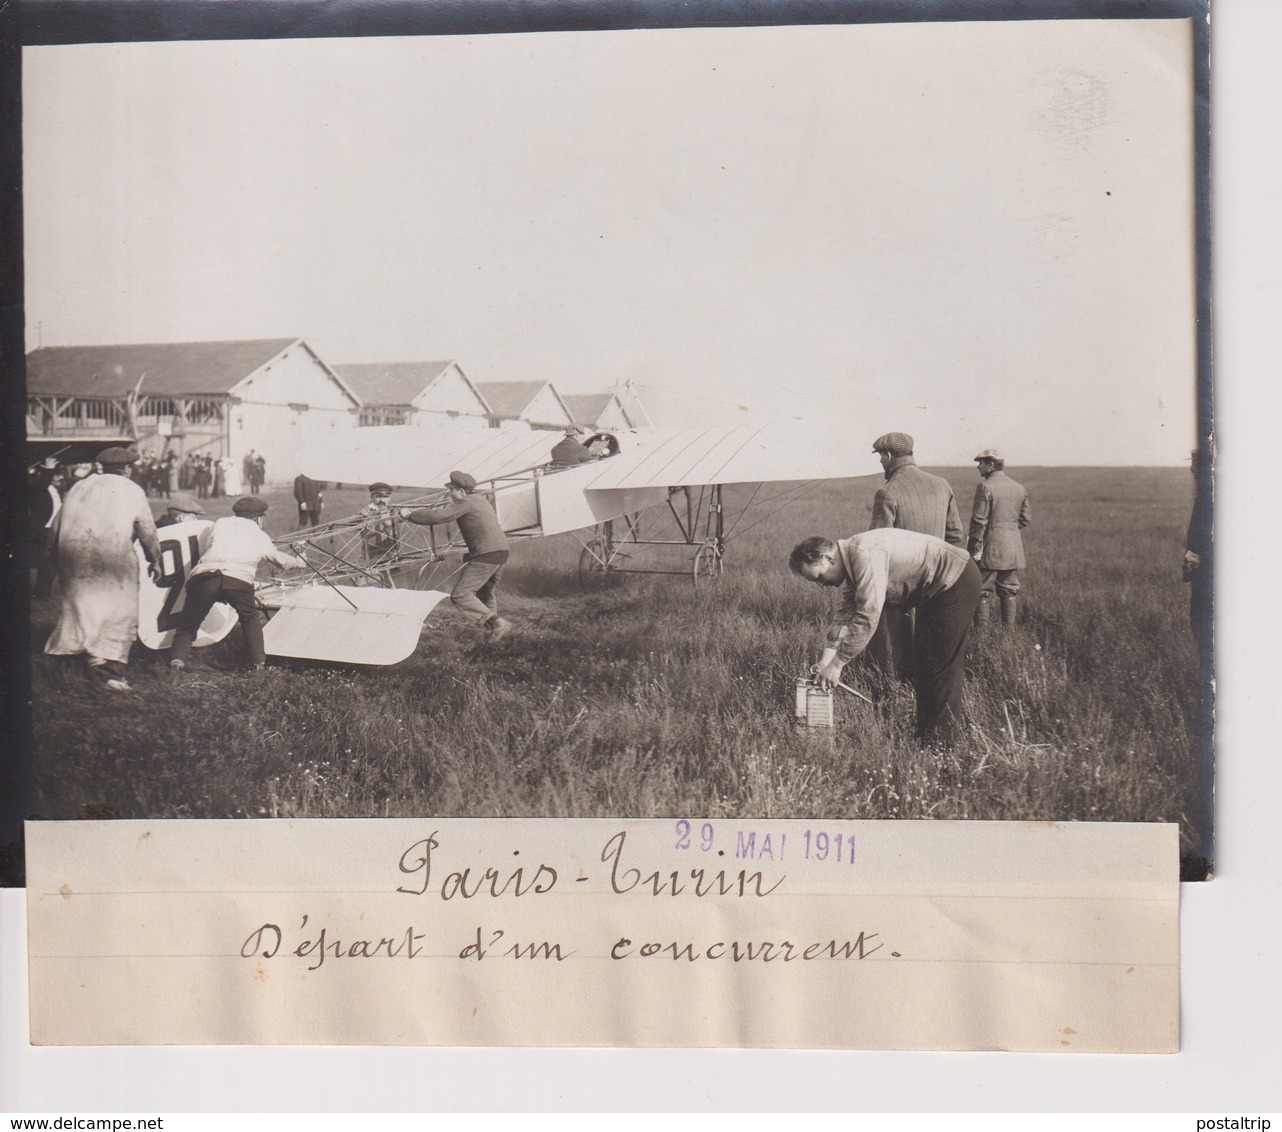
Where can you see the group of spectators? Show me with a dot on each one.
(155, 474)
(209, 476)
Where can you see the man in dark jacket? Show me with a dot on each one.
(308, 496)
(910, 500)
(569, 451)
(487, 550)
(44, 491)
(999, 513)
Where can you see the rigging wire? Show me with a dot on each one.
(793, 496)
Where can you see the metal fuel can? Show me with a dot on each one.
(818, 707)
(803, 688)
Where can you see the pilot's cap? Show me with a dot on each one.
(249, 507)
(991, 454)
(462, 481)
(380, 489)
(117, 457)
(896, 443)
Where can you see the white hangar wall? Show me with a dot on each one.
(291, 402)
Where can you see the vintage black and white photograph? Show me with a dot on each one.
(774, 421)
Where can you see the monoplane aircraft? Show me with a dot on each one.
(372, 578)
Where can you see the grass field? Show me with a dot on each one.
(653, 697)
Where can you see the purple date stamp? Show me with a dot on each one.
(765, 844)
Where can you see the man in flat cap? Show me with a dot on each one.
(92, 541)
(230, 552)
(999, 513)
(910, 500)
(487, 550)
(181, 509)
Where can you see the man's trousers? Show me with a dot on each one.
(203, 590)
(474, 592)
(943, 627)
(890, 649)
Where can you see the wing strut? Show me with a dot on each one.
(307, 542)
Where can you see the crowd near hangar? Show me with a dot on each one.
(211, 398)
(274, 397)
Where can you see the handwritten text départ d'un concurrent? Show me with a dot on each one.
(268, 941)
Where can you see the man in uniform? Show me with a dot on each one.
(999, 513)
(900, 569)
(487, 550)
(910, 500)
(379, 534)
(92, 539)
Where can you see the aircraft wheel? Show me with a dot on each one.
(594, 571)
(707, 563)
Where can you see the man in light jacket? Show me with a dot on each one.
(900, 570)
(999, 513)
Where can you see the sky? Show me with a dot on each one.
(981, 233)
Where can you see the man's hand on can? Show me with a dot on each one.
(828, 671)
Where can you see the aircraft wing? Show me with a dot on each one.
(409, 456)
(406, 455)
(778, 450)
(649, 462)
(347, 624)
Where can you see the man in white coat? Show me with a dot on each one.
(92, 544)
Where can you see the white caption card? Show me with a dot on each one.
(809, 934)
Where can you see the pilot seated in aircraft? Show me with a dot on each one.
(475, 592)
(602, 445)
(904, 569)
(570, 451)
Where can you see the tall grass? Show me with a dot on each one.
(652, 697)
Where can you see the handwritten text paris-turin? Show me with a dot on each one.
(422, 862)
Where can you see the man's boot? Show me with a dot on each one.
(983, 611)
(1008, 609)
